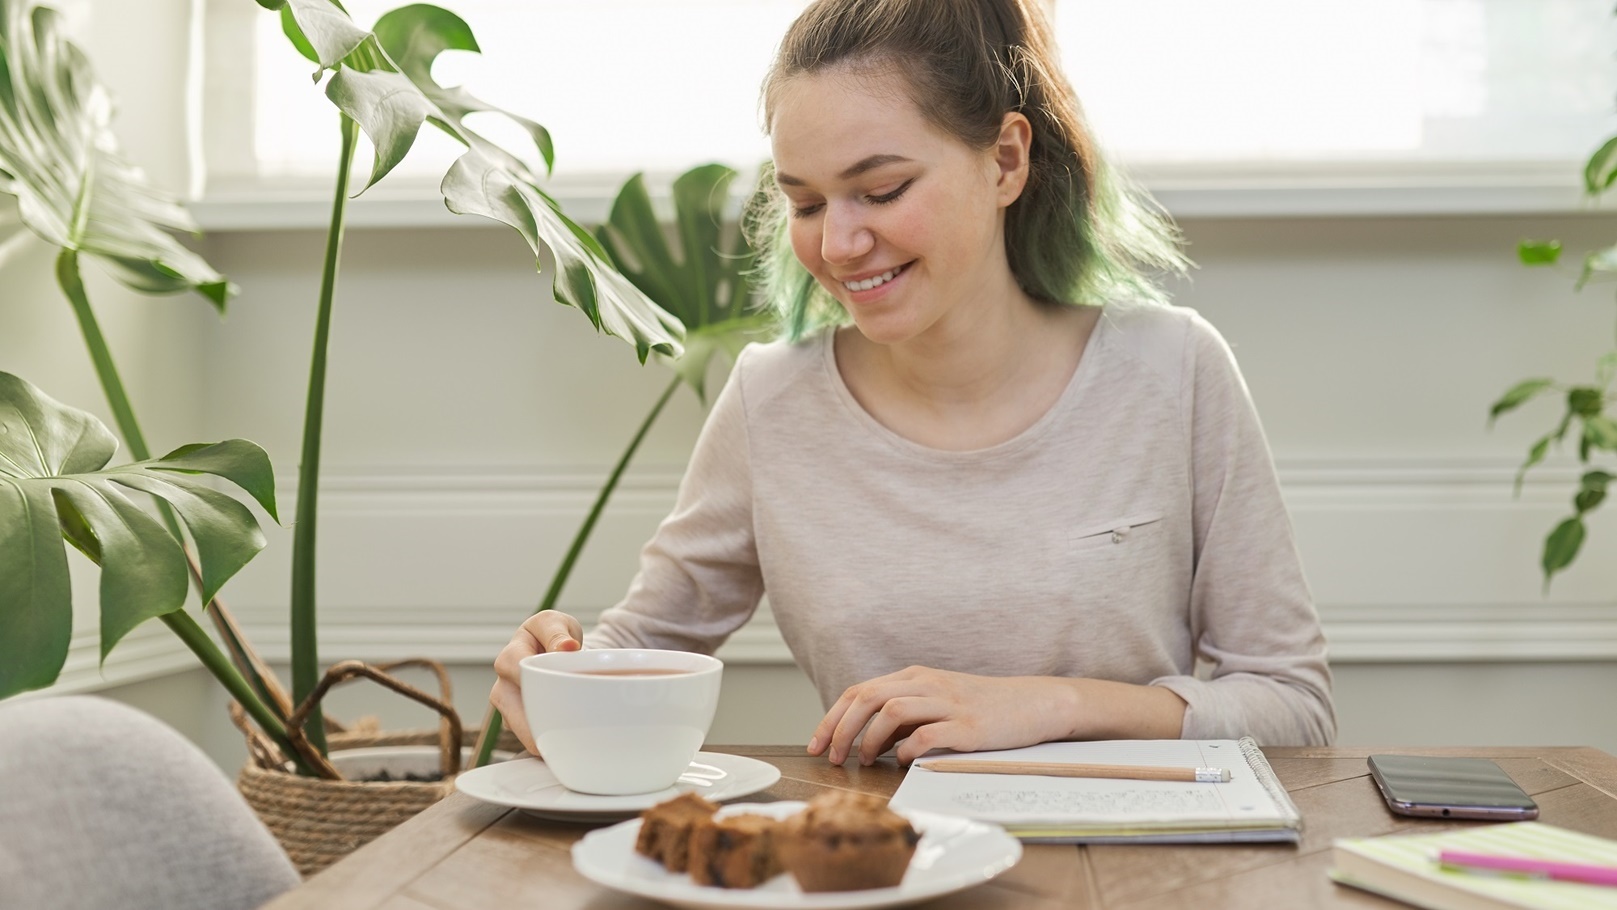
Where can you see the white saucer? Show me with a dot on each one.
(954, 854)
(525, 783)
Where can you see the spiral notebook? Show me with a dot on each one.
(1251, 806)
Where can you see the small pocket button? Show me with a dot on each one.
(1106, 536)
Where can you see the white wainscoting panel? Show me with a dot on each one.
(1415, 561)
(1410, 561)
(148, 652)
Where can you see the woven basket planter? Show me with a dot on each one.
(319, 820)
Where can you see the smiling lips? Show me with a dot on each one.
(875, 281)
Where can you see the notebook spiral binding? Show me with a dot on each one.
(1259, 764)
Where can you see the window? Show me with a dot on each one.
(1174, 88)
(622, 85)
(1400, 81)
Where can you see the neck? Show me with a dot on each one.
(976, 353)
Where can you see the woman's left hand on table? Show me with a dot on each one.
(920, 709)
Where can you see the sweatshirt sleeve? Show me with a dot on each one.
(699, 579)
(1252, 616)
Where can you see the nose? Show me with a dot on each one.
(845, 236)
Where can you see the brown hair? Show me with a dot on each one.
(1077, 234)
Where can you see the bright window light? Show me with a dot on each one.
(663, 85)
(1376, 80)
(622, 85)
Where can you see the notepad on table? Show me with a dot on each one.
(1405, 867)
(1251, 806)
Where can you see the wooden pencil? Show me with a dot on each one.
(1069, 769)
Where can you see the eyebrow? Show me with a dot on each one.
(859, 167)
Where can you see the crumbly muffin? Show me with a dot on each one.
(665, 829)
(737, 851)
(846, 842)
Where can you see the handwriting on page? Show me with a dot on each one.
(1091, 804)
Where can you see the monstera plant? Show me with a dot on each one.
(58, 158)
(704, 284)
(381, 82)
(60, 162)
(55, 485)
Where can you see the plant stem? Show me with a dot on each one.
(242, 653)
(206, 651)
(305, 649)
(67, 275)
(584, 530)
(492, 722)
(123, 412)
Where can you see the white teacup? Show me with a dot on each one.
(619, 721)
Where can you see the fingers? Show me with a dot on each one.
(506, 697)
(859, 704)
(546, 631)
(947, 734)
(917, 709)
(554, 631)
(849, 716)
(820, 740)
(898, 718)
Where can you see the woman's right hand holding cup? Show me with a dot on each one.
(545, 631)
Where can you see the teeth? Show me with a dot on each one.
(877, 281)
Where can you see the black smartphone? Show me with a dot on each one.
(1450, 788)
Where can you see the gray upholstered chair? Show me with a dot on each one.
(105, 808)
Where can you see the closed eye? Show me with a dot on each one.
(885, 198)
(807, 210)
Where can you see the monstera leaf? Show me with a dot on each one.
(54, 484)
(60, 159)
(705, 283)
(383, 81)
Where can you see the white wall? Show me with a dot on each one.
(470, 420)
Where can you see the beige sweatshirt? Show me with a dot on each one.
(1136, 527)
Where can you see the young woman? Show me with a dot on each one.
(998, 493)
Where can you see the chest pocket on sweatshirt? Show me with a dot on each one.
(1117, 537)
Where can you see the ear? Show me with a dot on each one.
(1011, 155)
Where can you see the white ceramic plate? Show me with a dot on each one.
(526, 783)
(954, 854)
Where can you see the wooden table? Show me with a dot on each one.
(464, 854)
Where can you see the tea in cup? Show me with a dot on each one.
(619, 721)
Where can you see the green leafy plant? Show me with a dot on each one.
(381, 82)
(703, 283)
(55, 485)
(1586, 415)
(59, 159)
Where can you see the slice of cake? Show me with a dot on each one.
(665, 829)
(737, 851)
(846, 841)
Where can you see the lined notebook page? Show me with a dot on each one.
(1021, 801)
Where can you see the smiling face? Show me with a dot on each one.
(901, 222)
